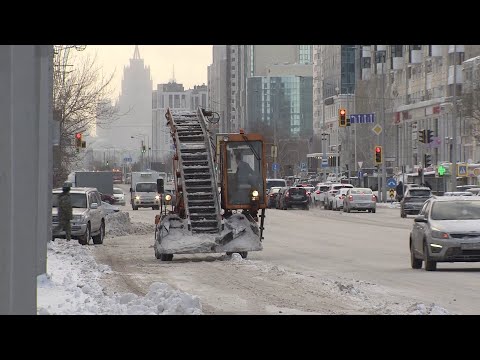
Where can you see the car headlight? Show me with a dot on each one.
(78, 218)
(254, 193)
(137, 197)
(168, 197)
(157, 197)
(440, 234)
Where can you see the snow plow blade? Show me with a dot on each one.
(239, 234)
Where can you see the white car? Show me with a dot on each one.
(119, 196)
(318, 195)
(332, 191)
(338, 199)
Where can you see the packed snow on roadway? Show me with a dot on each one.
(71, 286)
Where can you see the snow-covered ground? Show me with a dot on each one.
(71, 286)
(120, 224)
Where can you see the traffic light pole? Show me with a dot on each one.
(384, 168)
(454, 122)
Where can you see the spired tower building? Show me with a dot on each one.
(135, 107)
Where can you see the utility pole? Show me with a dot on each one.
(384, 168)
(454, 122)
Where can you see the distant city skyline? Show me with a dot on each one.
(190, 62)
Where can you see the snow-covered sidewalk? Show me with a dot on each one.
(71, 286)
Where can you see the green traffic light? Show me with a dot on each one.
(441, 170)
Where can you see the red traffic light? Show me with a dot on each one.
(342, 112)
(378, 149)
(78, 135)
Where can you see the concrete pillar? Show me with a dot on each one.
(25, 155)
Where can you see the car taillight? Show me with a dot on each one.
(317, 192)
(271, 195)
(341, 197)
(287, 194)
(374, 198)
(350, 197)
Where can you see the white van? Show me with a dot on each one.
(276, 183)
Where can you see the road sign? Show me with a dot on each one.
(462, 170)
(275, 166)
(127, 159)
(324, 162)
(377, 129)
(391, 193)
(391, 183)
(360, 174)
(303, 166)
(362, 118)
(360, 163)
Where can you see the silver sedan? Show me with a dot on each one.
(360, 199)
(446, 230)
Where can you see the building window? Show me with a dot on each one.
(233, 67)
(233, 76)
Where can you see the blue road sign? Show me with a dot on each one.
(362, 118)
(462, 170)
(275, 167)
(360, 174)
(303, 166)
(324, 162)
(391, 183)
(127, 159)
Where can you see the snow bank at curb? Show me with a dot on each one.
(71, 287)
(119, 224)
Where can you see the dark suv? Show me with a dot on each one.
(413, 200)
(294, 196)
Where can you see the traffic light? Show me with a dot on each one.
(378, 155)
(422, 136)
(427, 160)
(348, 121)
(342, 117)
(429, 136)
(143, 149)
(78, 140)
(441, 170)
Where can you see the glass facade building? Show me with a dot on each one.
(284, 101)
(305, 54)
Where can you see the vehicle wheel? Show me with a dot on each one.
(430, 265)
(374, 211)
(243, 254)
(83, 240)
(98, 239)
(166, 257)
(414, 262)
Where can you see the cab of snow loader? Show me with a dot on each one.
(241, 170)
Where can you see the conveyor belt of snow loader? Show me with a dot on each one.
(202, 205)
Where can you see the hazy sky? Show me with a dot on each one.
(190, 62)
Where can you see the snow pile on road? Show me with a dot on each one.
(71, 286)
(432, 309)
(119, 224)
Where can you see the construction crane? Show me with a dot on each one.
(220, 184)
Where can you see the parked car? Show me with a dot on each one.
(473, 191)
(447, 229)
(88, 215)
(119, 196)
(413, 200)
(338, 199)
(294, 196)
(332, 191)
(272, 196)
(360, 199)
